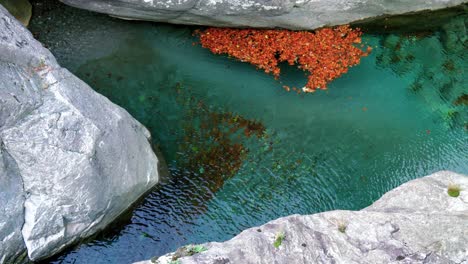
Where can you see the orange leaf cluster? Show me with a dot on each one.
(326, 54)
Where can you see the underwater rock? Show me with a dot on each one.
(418, 222)
(20, 9)
(290, 14)
(440, 78)
(70, 160)
(454, 35)
(462, 100)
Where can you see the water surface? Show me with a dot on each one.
(240, 149)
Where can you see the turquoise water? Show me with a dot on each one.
(240, 149)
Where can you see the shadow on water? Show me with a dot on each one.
(414, 22)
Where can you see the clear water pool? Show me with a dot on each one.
(240, 149)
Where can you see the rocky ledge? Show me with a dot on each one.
(422, 221)
(70, 160)
(291, 14)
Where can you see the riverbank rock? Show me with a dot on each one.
(418, 222)
(70, 160)
(20, 9)
(291, 14)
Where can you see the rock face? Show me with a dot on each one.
(417, 222)
(292, 14)
(11, 208)
(70, 160)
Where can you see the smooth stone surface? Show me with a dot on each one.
(291, 14)
(11, 208)
(417, 222)
(20, 9)
(70, 160)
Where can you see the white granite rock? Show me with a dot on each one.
(291, 14)
(70, 160)
(417, 222)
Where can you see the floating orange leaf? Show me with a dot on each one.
(326, 54)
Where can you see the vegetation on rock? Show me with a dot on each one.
(185, 251)
(454, 190)
(195, 249)
(342, 227)
(325, 54)
(278, 239)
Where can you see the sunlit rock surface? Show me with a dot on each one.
(70, 160)
(11, 207)
(417, 222)
(292, 14)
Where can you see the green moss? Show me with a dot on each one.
(195, 249)
(188, 250)
(452, 117)
(342, 227)
(278, 239)
(453, 190)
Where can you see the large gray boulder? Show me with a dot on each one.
(291, 14)
(11, 208)
(417, 222)
(70, 160)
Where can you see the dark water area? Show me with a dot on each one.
(241, 151)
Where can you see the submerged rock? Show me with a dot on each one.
(418, 222)
(438, 80)
(291, 14)
(454, 35)
(70, 160)
(20, 9)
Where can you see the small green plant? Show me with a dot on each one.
(185, 251)
(342, 228)
(278, 239)
(195, 249)
(177, 261)
(453, 190)
(342, 225)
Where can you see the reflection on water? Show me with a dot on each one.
(240, 149)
